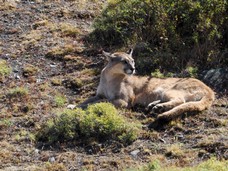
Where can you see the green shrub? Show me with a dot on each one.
(102, 118)
(192, 71)
(174, 32)
(157, 73)
(99, 121)
(4, 68)
(62, 127)
(60, 100)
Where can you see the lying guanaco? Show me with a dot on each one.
(170, 96)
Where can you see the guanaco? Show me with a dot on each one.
(169, 97)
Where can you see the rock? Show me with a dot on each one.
(51, 159)
(36, 151)
(135, 153)
(217, 79)
(16, 76)
(38, 80)
(53, 66)
(71, 106)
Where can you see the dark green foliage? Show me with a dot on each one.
(100, 121)
(174, 34)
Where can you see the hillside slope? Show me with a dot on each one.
(46, 65)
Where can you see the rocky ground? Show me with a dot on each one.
(51, 67)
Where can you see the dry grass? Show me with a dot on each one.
(31, 38)
(29, 70)
(175, 150)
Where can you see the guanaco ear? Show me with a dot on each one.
(130, 52)
(108, 55)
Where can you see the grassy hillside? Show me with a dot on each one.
(50, 57)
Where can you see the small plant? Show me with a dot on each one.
(29, 70)
(77, 83)
(55, 167)
(174, 151)
(99, 121)
(155, 165)
(73, 83)
(192, 71)
(69, 30)
(5, 123)
(32, 37)
(18, 92)
(65, 29)
(40, 23)
(4, 69)
(60, 100)
(24, 136)
(157, 73)
(59, 52)
(90, 72)
(44, 86)
(56, 82)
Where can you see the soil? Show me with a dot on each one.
(49, 57)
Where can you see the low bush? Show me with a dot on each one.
(60, 100)
(99, 121)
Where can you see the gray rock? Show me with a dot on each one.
(71, 106)
(135, 153)
(217, 79)
(51, 159)
(36, 151)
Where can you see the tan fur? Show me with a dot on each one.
(172, 96)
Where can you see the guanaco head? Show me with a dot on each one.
(120, 62)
